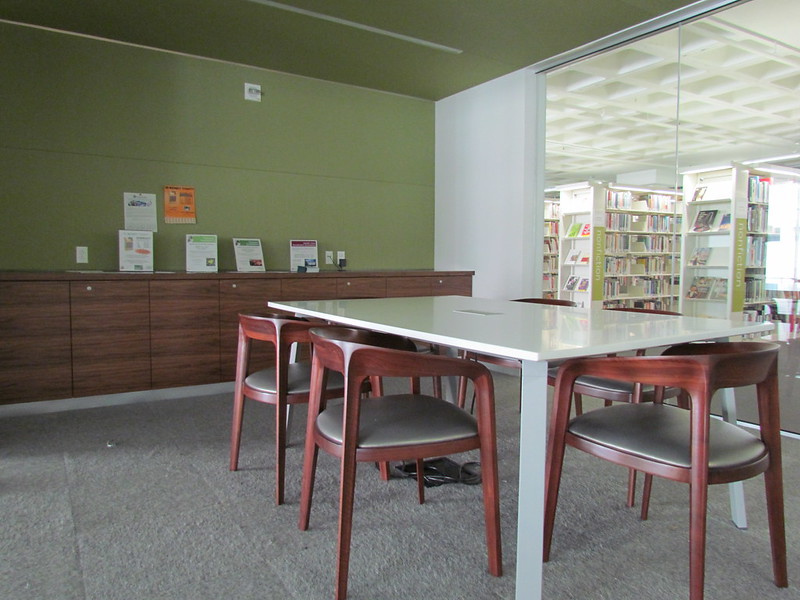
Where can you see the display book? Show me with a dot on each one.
(551, 245)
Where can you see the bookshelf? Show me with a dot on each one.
(552, 217)
(714, 245)
(641, 248)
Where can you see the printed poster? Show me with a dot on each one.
(201, 253)
(303, 256)
(249, 255)
(135, 250)
(179, 205)
(140, 211)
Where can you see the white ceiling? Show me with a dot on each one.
(731, 81)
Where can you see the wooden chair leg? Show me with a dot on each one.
(280, 450)
(631, 501)
(346, 501)
(646, 489)
(578, 400)
(236, 430)
(697, 539)
(421, 480)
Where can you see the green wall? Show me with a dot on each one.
(83, 121)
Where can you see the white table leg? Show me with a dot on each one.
(532, 454)
(735, 489)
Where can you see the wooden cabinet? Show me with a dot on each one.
(110, 336)
(243, 296)
(82, 334)
(35, 361)
(184, 332)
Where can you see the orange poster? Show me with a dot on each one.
(179, 204)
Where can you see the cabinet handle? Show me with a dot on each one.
(233, 285)
(348, 283)
(88, 288)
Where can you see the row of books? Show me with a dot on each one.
(630, 243)
(756, 251)
(708, 288)
(551, 228)
(640, 223)
(757, 218)
(758, 188)
(627, 200)
(654, 265)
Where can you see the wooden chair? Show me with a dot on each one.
(283, 384)
(509, 363)
(610, 391)
(678, 444)
(397, 427)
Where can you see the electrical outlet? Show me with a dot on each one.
(81, 254)
(329, 257)
(340, 256)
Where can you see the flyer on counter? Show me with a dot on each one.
(135, 250)
(249, 255)
(140, 211)
(179, 204)
(201, 253)
(303, 256)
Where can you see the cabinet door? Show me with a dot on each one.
(308, 288)
(241, 296)
(184, 332)
(361, 287)
(110, 336)
(35, 357)
(397, 287)
(452, 285)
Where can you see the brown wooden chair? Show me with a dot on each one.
(501, 361)
(283, 384)
(610, 391)
(678, 444)
(395, 427)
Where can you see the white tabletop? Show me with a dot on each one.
(520, 330)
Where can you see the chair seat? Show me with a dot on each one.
(299, 380)
(661, 432)
(401, 420)
(587, 383)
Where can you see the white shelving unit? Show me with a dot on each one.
(714, 245)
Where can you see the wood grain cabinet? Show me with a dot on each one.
(35, 356)
(110, 336)
(184, 332)
(83, 334)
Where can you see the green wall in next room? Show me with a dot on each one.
(83, 121)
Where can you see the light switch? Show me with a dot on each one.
(252, 91)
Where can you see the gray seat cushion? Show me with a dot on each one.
(299, 379)
(401, 420)
(599, 384)
(661, 432)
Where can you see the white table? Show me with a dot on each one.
(533, 334)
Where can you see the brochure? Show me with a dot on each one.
(572, 257)
(699, 257)
(303, 256)
(704, 220)
(135, 250)
(201, 253)
(249, 255)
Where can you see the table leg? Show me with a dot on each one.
(735, 489)
(532, 454)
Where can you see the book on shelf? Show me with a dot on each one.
(724, 222)
(699, 257)
(571, 283)
(704, 221)
(719, 289)
(572, 257)
(699, 192)
(574, 230)
(583, 284)
(586, 230)
(700, 288)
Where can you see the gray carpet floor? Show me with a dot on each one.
(136, 502)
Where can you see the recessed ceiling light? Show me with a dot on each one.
(355, 25)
